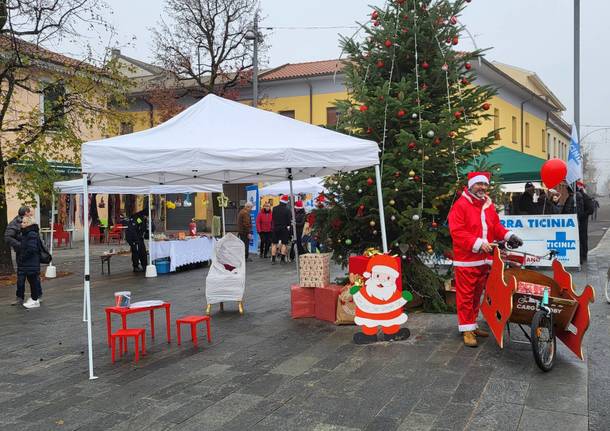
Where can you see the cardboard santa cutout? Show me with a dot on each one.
(379, 301)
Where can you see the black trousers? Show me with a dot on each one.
(246, 241)
(265, 240)
(583, 237)
(33, 279)
(138, 253)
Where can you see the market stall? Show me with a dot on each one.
(197, 147)
(183, 252)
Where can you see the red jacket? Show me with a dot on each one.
(471, 222)
(263, 221)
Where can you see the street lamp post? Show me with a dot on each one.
(254, 36)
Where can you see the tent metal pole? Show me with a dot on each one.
(85, 302)
(384, 238)
(294, 225)
(151, 270)
(222, 210)
(87, 275)
(37, 211)
(51, 271)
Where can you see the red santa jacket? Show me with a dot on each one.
(471, 222)
(263, 221)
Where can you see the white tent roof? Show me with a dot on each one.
(306, 186)
(218, 140)
(76, 187)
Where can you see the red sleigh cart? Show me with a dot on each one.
(548, 305)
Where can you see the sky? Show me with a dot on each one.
(533, 34)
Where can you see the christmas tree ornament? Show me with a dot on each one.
(369, 181)
(397, 174)
(380, 64)
(455, 40)
(396, 190)
(416, 178)
(434, 225)
(392, 202)
(363, 108)
(360, 211)
(388, 43)
(348, 241)
(451, 134)
(415, 217)
(401, 113)
(426, 158)
(369, 130)
(453, 20)
(430, 133)
(347, 187)
(437, 141)
(414, 115)
(424, 86)
(486, 106)
(411, 173)
(375, 15)
(412, 145)
(404, 257)
(468, 66)
(374, 232)
(372, 223)
(465, 81)
(445, 67)
(425, 65)
(393, 218)
(457, 115)
(376, 23)
(360, 191)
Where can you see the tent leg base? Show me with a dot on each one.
(208, 309)
(151, 271)
(241, 307)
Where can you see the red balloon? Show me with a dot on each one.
(553, 172)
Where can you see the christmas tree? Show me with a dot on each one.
(410, 89)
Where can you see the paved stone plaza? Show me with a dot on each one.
(265, 371)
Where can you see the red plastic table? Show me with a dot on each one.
(125, 311)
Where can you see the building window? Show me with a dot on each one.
(52, 105)
(289, 114)
(548, 144)
(555, 147)
(126, 128)
(543, 144)
(331, 116)
(496, 124)
(527, 135)
(514, 124)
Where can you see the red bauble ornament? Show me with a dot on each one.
(363, 108)
(412, 145)
(360, 211)
(376, 23)
(405, 30)
(401, 113)
(424, 86)
(369, 130)
(553, 172)
(425, 65)
(451, 134)
(434, 225)
(370, 181)
(486, 106)
(397, 174)
(375, 15)
(468, 66)
(388, 43)
(455, 40)
(437, 141)
(416, 178)
(448, 40)
(465, 81)
(457, 114)
(453, 20)
(380, 64)
(405, 17)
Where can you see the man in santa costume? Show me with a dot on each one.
(380, 301)
(474, 225)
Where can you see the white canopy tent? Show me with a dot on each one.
(221, 141)
(307, 186)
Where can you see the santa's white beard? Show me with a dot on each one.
(384, 292)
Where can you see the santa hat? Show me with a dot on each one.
(580, 184)
(478, 177)
(383, 263)
(298, 204)
(284, 199)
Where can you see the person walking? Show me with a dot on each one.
(12, 237)
(263, 227)
(280, 225)
(244, 227)
(299, 218)
(595, 208)
(28, 263)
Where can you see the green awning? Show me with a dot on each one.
(515, 166)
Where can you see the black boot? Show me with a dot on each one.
(272, 260)
(361, 338)
(402, 334)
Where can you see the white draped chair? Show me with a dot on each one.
(226, 280)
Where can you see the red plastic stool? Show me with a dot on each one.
(122, 335)
(193, 321)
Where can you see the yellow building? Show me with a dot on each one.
(527, 113)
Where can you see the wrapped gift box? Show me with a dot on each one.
(357, 265)
(314, 269)
(326, 302)
(346, 309)
(302, 302)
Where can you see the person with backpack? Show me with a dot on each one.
(584, 209)
(28, 263)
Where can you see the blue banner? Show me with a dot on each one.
(252, 196)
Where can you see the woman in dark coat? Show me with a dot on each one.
(28, 263)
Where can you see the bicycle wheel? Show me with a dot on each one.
(544, 344)
(607, 286)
